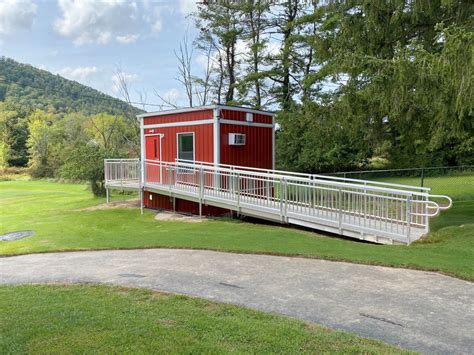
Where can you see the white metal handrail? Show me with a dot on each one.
(430, 205)
(277, 175)
(450, 201)
(364, 207)
(308, 176)
(124, 171)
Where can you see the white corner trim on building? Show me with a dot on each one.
(217, 136)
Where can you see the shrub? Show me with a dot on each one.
(86, 163)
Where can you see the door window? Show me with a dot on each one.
(155, 148)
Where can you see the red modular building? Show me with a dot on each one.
(214, 159)
(217, 134)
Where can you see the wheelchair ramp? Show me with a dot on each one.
(366, 210)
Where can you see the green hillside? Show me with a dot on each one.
(44, 116)
(25, 86)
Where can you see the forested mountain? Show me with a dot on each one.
(45, 118)
(31, 88)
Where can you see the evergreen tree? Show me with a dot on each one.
(220, 25)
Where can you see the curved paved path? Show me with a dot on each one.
(417, 310)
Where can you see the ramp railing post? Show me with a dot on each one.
(141, 188)
(283, 201)
(106, 172)
(426, 220)
(141, 200)
(201, 190)
(170, 177)
(121, 174)
(267, 187)
(340, 209)
(365, 204)
(238, 193)
(408, 218)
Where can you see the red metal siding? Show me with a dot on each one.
(183, 206)
(157, 201)
(240, 116)
(203, 142)
(257, 151)
(179, 117)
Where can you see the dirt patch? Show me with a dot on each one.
(116, 204)
(176, 217)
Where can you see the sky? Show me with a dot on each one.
(87, 40)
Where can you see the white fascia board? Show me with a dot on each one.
(202, 108)
(180, 110)
(178, 124)
(246, 109)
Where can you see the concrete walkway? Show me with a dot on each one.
(417, 310)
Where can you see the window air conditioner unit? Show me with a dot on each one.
(236, 139)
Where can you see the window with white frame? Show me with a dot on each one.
(186, 146)
(236, 139)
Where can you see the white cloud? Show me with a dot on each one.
(102, 22)
(242, 47)
(78, 73)
(127, 77)
(201, 60)
(173, 95)
(273, 48)
(16, 15)
(187, 7)
(127, 38)
(153, 16)
(157, 25)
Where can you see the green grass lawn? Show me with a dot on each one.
(100, 319)
(52, 210)
(458, 187)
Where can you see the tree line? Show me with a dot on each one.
(64, 145)
(356, 84)
(57, 128)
